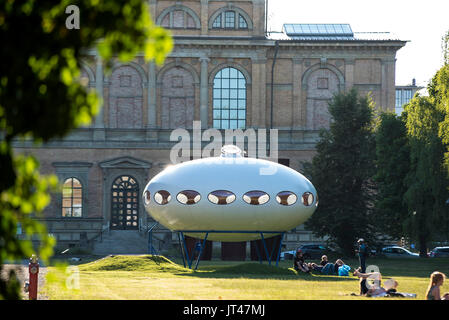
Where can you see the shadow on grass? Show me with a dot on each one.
(259, 271)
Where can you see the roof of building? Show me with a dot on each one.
(327, 32)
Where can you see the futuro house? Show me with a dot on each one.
(228, 194)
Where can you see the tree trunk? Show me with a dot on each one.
(422, 246)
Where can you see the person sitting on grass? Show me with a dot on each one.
(299, 264)
(375, 289)
(433, 291)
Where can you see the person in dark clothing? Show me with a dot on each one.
(363, 254)
(299, 264)
(197, 250)
(324, 260)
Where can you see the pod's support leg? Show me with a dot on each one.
(258, 253)
(189, 261)
(181, 247)
(279, 251)
(265, 247)
(201, 251)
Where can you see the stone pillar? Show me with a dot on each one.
(152, 5)
(259, 105)
(254, 120)
(297, 93)
(262, 88)
(259, 17)
(349, 73)
(99, 133)
(204, 94)
(151, 114)
(388, 84)
(204, 17)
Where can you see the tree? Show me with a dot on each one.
(439, 91)
(393, 165)
(427, 180)
(341, 172)
(41, 98)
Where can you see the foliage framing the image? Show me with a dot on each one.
(41, 98)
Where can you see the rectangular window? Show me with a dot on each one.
(398, 98)
(229, 20)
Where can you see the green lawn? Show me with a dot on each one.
(152, 277)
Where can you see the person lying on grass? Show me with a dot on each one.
(328, 268)
(374, 288)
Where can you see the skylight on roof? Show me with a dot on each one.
(318, 30)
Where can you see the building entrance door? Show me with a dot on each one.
(125, 204)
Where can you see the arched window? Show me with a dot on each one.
(230, 18)
(126, 98)
(178, 98)
(125, 203)
(72, 198)
(179, 17)
(229, 99)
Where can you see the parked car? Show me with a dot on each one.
(310, 251)
(439, 252)
(314, 251)
(398, 252)
(287, 255)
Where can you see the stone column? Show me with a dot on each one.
(297, 93)
(151, 111)
(259, 96)
(204, 94)
(204, 17)
(99, 133)
(262, 92)
(349, 73)
(388, 84)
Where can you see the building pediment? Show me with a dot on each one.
(125, 162)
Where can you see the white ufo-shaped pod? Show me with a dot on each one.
(230, 193)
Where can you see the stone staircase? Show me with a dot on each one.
(121, 242)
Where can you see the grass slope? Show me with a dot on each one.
(133, 263)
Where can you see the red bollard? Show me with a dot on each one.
(33, 268)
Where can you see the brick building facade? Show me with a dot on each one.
(219, 73)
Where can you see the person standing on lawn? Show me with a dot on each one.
(363, 254)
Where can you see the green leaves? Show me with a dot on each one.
(41, 97)
(393, 165)
(341, 172)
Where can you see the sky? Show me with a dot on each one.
(423, 23)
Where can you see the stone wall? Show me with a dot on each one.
(143, 102)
